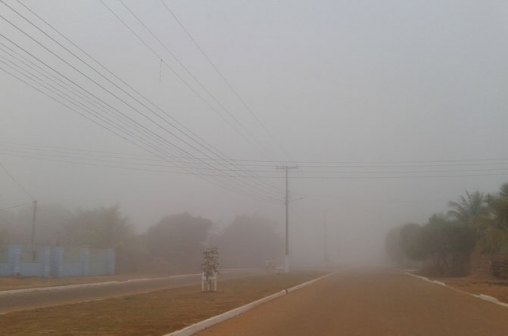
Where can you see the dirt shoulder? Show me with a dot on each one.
(154, 313)
(495, 287)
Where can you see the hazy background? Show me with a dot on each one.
(349, 81)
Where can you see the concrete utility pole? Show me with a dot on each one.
(33, 228)
(326, 259)
(286, 256)
(34, 204)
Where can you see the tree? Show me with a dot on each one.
(6, 220)
(249, 242)
(98, 228)
(471, 209)
(495, 238)
(461, 240)
(494, 241)
(404, 245)
(449, 244)
(51, 220)
(393, 248)
(4, 236)
(445, 243)
(412, 243)
(178, 240)
(132, 255)
(499, 205)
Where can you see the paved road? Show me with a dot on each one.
(379, 304)
(16, 300)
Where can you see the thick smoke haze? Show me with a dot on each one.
(332, 81)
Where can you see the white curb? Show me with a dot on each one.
(117, 282)
(490, 299)
(483, 297)
(310, 282)
(202, 325)
(91, 284)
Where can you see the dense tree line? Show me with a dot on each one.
(444, 244)
(250, 241)
(172, 245)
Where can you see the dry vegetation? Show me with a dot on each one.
(155, 313)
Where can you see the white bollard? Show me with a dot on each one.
(203, 282)
(208, 284)
(214, 282)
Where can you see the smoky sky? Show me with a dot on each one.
(345, 81)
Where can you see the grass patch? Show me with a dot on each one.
(154, 313)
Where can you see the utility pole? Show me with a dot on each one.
(326, 259)
(286, 256)
(33, 228)
(34, 205)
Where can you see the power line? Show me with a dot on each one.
(179, 128)
(55, 90)
(40, 71)
(356, 177)
(14, 206)
(103, 67)
(194, 77)
(73, 109)
(138, 169)
(99, 163)
(230, 162)
(124, 161)
(140, 161)
(224, 79)
(19, 184)
(249, 167)
(98, 84)
(174, 56)
(102, 163)
(186, 83)
(56, 55)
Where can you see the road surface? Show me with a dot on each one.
(379, 304)
(16, 300)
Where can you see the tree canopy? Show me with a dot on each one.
(471, 209)
(103, 227)
(248, 242)
(178, 241)
(446, 241)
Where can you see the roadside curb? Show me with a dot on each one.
(91, 284)
(202, 325)
(483, 297)
(115, 282)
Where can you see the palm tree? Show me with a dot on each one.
(471, 210)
